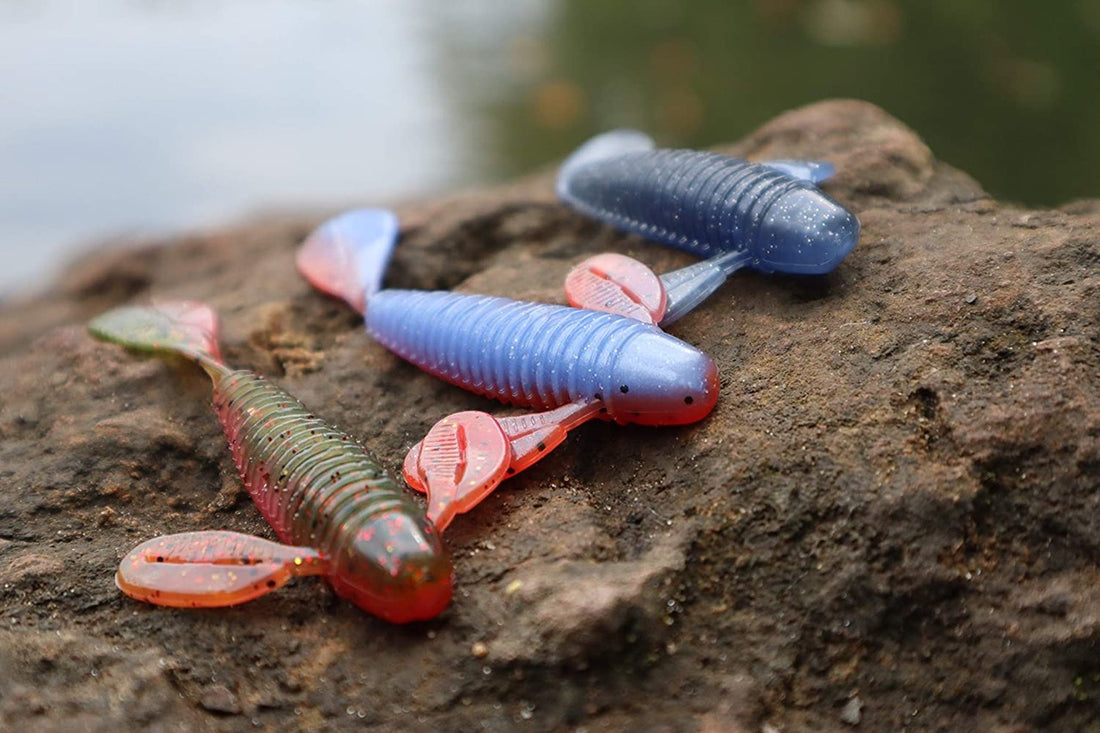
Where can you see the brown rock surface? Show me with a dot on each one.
(891, 520)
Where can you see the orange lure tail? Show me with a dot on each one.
(212, 569)
(465, 456)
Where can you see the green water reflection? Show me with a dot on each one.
(1008, 91)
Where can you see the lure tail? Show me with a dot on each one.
(689, 286)
(619, 284)
(212, 569)
(606, 145)
(465, 456)
(461, 460)
(188, 328)
(347, 256)
(615, 283)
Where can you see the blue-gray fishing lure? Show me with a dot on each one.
(711, 204)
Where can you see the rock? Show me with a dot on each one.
(575, 612)
(30, 567)
(219, 699)
(896, 493)
(70, 674)
(852, 712)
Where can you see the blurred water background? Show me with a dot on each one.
(125, 118)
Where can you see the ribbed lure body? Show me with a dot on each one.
(324, 494)
(572, 363)
(543, 356)
(709, 204)
(319, 488)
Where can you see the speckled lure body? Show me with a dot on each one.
(315, 485)
(710, 204)
(543, 356)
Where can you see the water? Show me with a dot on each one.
(130, 118)
(126, 117)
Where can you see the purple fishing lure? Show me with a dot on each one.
(543, 356)
(574, 364)
(529, 354)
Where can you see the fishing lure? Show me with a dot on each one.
(338, 510)
(609, 282)
(711, 204)
(574, 364)
(616, 283)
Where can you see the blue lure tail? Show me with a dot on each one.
(604, 146)
(689, 286)
(347, 256)
(615, 283)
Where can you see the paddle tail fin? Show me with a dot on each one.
(189, 328)
(212, 569)
(347, 255)
(461, 460)
(615, 283)
(606, 145)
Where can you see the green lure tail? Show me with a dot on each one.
(188, 328)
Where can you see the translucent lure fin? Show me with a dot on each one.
(189, 328)
(534, 435)
(811, 171)
(601, 147)
(465, 456)
(689, 286)
(460, 461)
(347, 255)
(618, 284)
(212, 569)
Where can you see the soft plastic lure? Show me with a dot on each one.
(575, 364)
(619, 284)
(738, 214)
(711, 204)
(341, 513)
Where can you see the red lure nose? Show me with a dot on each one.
(662, 381)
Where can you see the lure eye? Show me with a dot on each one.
(663, 381)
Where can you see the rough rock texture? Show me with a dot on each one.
(891, 520)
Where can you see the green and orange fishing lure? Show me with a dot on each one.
(340, 513)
